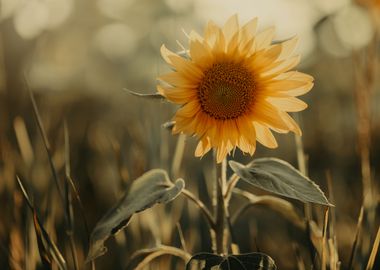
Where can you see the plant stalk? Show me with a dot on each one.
(220, 229)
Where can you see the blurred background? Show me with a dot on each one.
(77, 56)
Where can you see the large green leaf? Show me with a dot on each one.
(248, 261)
(151, 188)
(278, 176)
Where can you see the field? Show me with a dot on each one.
(90, 155)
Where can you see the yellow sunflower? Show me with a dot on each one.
(234, 87)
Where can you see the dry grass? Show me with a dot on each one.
(77, 152)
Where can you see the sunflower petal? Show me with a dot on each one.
(288, 104)
(265, 136)
(278, 67)
(260, 60)
(200, 53)
(264, 39)
(267, 114)
(220, 44)
(189, 110)
(186, 67)
(165, 52)
(293, 126)
(177, 79)
(177, 95)
(284, 85)
(288, 48)
(248, 31)
(195, 36)
(203, 147)
(231, 27)
(211, 31)
(247, 140)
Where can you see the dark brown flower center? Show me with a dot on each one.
(226, 90)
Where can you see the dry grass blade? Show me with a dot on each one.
(200, 205)
(45, 140)
(302, 165)
(357, 233)
(23, 140)
(24, 193)
(181, 237)
(332, 242)
(49, 252)
(300, 261)
(374, 251)
(178, 155)
(334, 257)
(325, 224)
(151, 254)
(68, 200)
(332, 200)
(72, 184)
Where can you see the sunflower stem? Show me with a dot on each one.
(221, 232)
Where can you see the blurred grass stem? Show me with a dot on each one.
(68, 198)
(220, 239)
(178, 155)
(200, 205)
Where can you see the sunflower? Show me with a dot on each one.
(234, 87)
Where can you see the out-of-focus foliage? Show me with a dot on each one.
(79, 55)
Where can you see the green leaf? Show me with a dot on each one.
(279, 177)
(151, 188)
(281, 206)
(248, 261)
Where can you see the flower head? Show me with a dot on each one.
(234, 87)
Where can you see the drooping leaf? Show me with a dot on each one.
(248, 261)
(151, 188)
(279, 177)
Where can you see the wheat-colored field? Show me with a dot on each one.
(107, 162)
